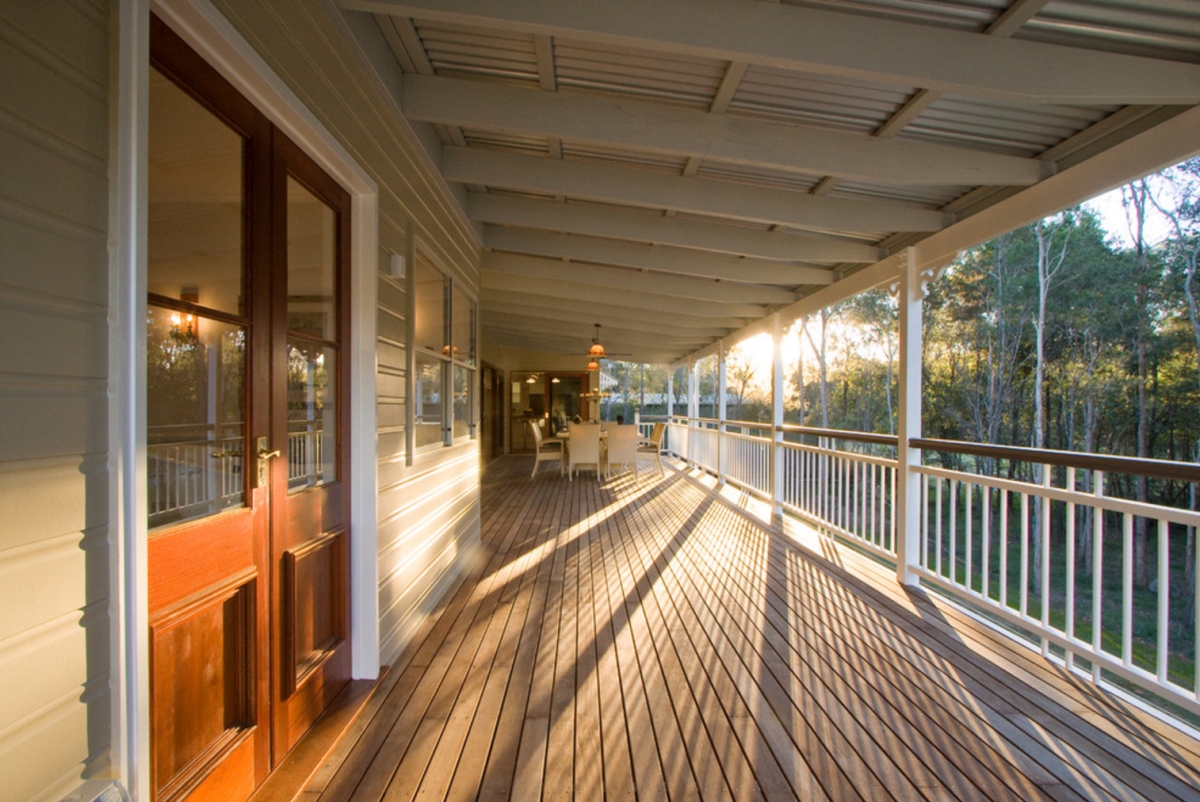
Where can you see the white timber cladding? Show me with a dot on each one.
(54, 555)
(427, 513)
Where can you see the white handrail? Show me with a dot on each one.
(996, 543)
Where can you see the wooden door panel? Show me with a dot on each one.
(314, 616)
(202, 654)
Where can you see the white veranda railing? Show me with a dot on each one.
(1048, 545)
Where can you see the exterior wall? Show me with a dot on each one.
(54, 585)
(427, 512)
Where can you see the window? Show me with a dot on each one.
(443, 390)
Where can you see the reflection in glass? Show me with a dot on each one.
(464, 327)
(430, 307)
(312, 414)
(194, 206)
(312, 264)
(565, 404)
(462, 402)
(428, 400)
(195, 411)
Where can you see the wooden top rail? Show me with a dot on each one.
(839, 434)
(1156, 468)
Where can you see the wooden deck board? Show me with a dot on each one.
(647, 639)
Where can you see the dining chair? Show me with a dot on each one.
(651, 447)
(583, 447)
(545, 450)
(623, 447)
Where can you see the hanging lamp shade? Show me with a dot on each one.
(593, 364)
(597, 350)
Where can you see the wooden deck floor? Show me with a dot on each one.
(653, 640)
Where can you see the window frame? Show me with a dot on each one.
(452, 356)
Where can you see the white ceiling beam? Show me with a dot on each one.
(662, 129)
(512, 339)
(640, 187)
(626, 280)
(597, 308)
(553, 289)
(583, 333)
(636, 225)
(664, 327)
(663, 259)
(825, 42)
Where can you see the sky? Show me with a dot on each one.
(1112, 215)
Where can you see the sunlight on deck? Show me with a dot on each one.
(663, 639)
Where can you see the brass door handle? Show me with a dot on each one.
(223, 453)
(264, 454)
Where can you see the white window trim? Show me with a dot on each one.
(211, 35)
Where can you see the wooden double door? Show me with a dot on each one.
(247, 458)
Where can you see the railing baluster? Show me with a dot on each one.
(986, 555)
(1045, 558)
(1024, 554)
(1004, 547)
(970, 496)
(938, 538)
(1127, 590)
(1163, 635)
(1097, 574)
(953, 529)
(1070, 623)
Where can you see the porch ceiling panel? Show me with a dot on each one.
(647, 226)
(739, 270)
(596, 306)
(665, 329)
(620, 278)
(785, 145)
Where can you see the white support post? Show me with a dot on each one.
(777, 418)
(670, 394)
(721, 413)
(693, 404)
(908, 481)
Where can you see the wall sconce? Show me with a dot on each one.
(185, 328)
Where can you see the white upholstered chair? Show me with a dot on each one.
(583, 447)
(650, 447)
(545, 450)
(622, 447)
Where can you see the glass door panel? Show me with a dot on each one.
(195, 207)
(312, 353)
(196, 416)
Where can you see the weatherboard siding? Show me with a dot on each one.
(54, 581)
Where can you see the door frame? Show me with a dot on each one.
(215, 39)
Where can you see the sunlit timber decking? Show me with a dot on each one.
(656, 639)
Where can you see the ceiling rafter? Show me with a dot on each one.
(594, 306)
(666, 328)
(832, 43)
(626, 280)
(648, 301)
(1020, 12)
(641, 187)
(628, 224)
(655, 128)
(667, 259)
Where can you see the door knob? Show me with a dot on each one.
(264, 454)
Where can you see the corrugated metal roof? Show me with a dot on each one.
(662, 76)
(461, 51)
(853, 106)
(1001, 127)
(1164, 29)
